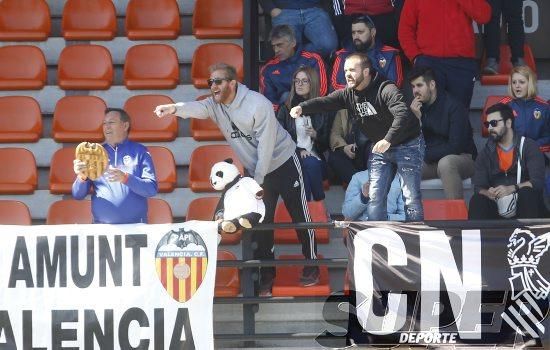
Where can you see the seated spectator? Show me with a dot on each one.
(276, 74)
(496, 170)
(307, 19)
(385, 59)
(450, 147)
(310, 133)
(532, 113)
(356, 200)
(512, 13)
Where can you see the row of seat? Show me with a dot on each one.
(29, 20)
(90, 67)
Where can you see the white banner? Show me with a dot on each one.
(107, 286)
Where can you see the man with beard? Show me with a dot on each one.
(266, 150)
(450, 148)
(376, 105)
(496, 170)
(384, 59)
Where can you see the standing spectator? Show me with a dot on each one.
(496, 170)
(377, 106)
(309, 133)
(385, 59)
(512, 13)
(267, 152)
(120, 195)
(276, 74)
(450, 147)
(308, 20)
(439, 34)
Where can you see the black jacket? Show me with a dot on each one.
(446, 128)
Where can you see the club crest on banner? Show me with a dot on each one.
(181, 262)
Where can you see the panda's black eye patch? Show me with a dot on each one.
(219, 174)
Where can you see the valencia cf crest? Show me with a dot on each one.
(181, 261)
(382, 62)
(537, 114)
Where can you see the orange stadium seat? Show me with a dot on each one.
(22, 67)
(505, 66)
(151, 66)
(207, 54)
(208, 24)
(89, 20)
(445, 209)
(205, 129)
(78, 118)
(203, 209)
(318, 213)
(159, 211)
(491, 100)
(14, 213)
(228, 281)
(149, 20)
(20, 119)
(85, 67)
(70, 211)
(24, 20)
(62, 175)
(165, 168)
(202, 160)
(287, 280)
(19, 174)
(146, 126)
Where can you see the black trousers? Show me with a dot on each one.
(343, 166)
(529, 206)
(512, 13)
(286, 181)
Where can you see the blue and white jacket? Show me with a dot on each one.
(532, 119)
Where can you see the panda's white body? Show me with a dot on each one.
(241, 199)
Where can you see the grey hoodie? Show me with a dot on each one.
(249, 126)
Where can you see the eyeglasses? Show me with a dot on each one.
(493, 123)
(301, 81)
(217, 81)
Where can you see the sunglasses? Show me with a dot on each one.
(493, 123)
(216, 81)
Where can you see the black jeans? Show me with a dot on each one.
(529, 206)
(512, 13)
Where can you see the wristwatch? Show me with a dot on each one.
(516, 186)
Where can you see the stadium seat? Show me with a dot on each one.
(287, 280)
(20, 119)
(85, 67)
(228, 281)
(70, 211)
(159, 211)
(318, 213)
(165, 168)
(14, 213)
(445, 209)
(207, 54)
(208, 24)
(19, 174)
(491, 100)
(22, 67)
(201, 162)
(78, 118)
(505, 66)
(24, 20)
(205, 129)
(151, 20)
(89, 20)
(62, 175)
(151, 66)
(146, 126)
(203, 209)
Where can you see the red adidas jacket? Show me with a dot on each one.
(370, 7)
(441, 28)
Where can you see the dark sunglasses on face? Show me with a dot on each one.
(216, 81)
(493, 123)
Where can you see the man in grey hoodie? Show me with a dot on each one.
(266, 150)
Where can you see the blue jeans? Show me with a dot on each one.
(314, 171)
(313, 23)
(406, 159)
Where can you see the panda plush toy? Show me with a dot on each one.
(241, 204)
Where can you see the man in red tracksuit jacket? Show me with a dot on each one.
(439, 34)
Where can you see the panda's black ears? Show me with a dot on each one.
(229, 160)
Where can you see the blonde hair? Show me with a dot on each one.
(528, 74)
(314, 88)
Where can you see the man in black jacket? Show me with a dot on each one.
(376, 105)
(450, 147)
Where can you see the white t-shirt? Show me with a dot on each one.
(303, 140)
